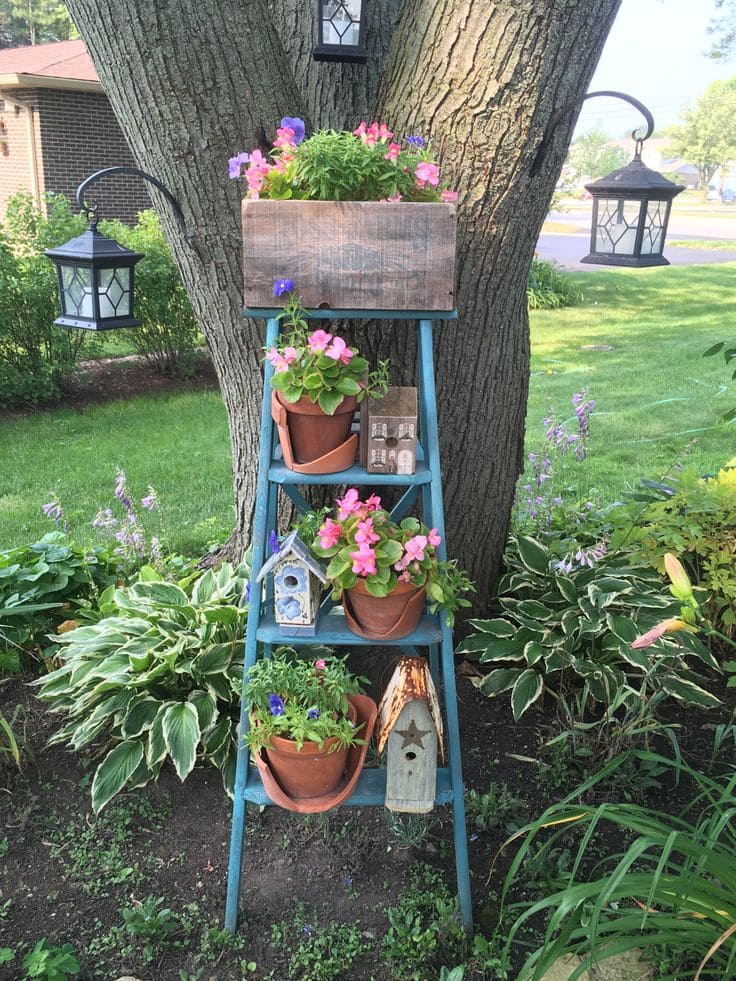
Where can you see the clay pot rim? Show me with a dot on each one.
(306, 407)
(401, 587)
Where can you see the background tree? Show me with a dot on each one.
(594, 155)
(194, 81)
(723, 28)
(707, 138)
(34, 22)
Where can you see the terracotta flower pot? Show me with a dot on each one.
(313, 433)
(383, 617)
(311, 771)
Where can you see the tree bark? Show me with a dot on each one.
(194, 82)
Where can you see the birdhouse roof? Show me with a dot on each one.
(292, 545)
(411, 681)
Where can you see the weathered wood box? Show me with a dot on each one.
(351, 255)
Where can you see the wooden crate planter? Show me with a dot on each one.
(351, 255)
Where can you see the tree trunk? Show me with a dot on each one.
(194, 82)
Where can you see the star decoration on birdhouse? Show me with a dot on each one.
(412, 736)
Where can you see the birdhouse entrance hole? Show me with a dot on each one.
(411, 756)
(290, 581)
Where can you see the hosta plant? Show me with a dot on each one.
(157, 679)
(562, 628)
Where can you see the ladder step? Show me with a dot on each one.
(279, 473)
(371, 789)
(332, 629)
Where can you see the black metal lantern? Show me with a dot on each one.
(95, 274)
(631, 209)
(340, 31)
(95, 278)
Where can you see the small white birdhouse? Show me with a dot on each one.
(410, 722)
(298, 578)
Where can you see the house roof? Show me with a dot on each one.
(60, 65)
(293, 545)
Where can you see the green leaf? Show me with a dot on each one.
(156, 745)
(114, 772)
(348, 387)
(497, 628)
(497, 681)
(329, 401)
(534, 609)
(567, 588)
(140, 716)
(206, 707)
(688, 691)
(533, 652)
(623, 627)
(215, 660)
(181, 734)
(714, 350)
(534, 556)
(313, 380)
(389, 553)
(527, 689)
(204, 588)
(338, 565)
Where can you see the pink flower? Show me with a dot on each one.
(278, 360)
(449, 197)
(320, 664)
(394, 199)
(364, 560)
(373, 503)
(433, 537)
(427, 173)
(318, 341)
(365, 533)
(393, 151)
(290, 354)
(382, 131)
(348, 505)
(368, 134)
(414, 548)
(329, 534)
(670, 626)
(339, 351)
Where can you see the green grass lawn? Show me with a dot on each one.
(654, 392)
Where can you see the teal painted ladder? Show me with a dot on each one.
(432, 632)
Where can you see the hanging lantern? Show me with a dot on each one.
(631, 209)
(340, 31)
(95, 279)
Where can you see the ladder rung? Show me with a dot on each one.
(371, 789)
(332, 629)
(279, 473)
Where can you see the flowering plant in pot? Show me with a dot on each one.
(319, 380)
(384, 571)
(302, 719)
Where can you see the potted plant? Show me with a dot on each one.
(303, 720)
(361, 218)
(384, 571)
(318, 381)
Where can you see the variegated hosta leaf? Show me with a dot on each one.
(114, 772)
(497, 681)
(206, 707)
(181, 734)
(527, 689)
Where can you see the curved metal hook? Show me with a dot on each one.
(134, 171)
(561, 113)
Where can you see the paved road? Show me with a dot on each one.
(569, 247)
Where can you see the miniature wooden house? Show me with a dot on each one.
(298, 578)
(410, 723)
(389, 432)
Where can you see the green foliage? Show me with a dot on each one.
(13, 748)
(159, 675)
(51, 963)
(723, 26)
(707, 137)
(169, 334)
(549, 288)
(576, 627)
(409, 830)
(150, 923)
(36, 358)
(499, 807)
(311, 372)
(593, 155)
(38, 583)
(317, 953)
(672, 887)
(34, 22)
(694, 518)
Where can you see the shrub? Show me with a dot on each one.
(159, 676)
(36, 358)
(168, 335)
(562, 626)
(696, 520)
(672, 888)
(549, 288)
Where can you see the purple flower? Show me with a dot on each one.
(235, 164)
(415, 141)
(150, 502)
(247, 590)
(273, 541)
(53, 510)
(276, 704)
(121, 491)
(282, 286)
(313, 714)
(122, 536)
(293, 122)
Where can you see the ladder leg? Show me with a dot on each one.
(436, 516)
(260, 534)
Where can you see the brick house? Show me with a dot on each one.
(57, 127)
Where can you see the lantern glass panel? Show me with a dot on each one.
(656, 220)
(341, 22)
(616, 227)
(76, 291)
(114, 292)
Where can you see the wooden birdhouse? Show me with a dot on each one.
(410, 723)
(298, 578)
(388, 441)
